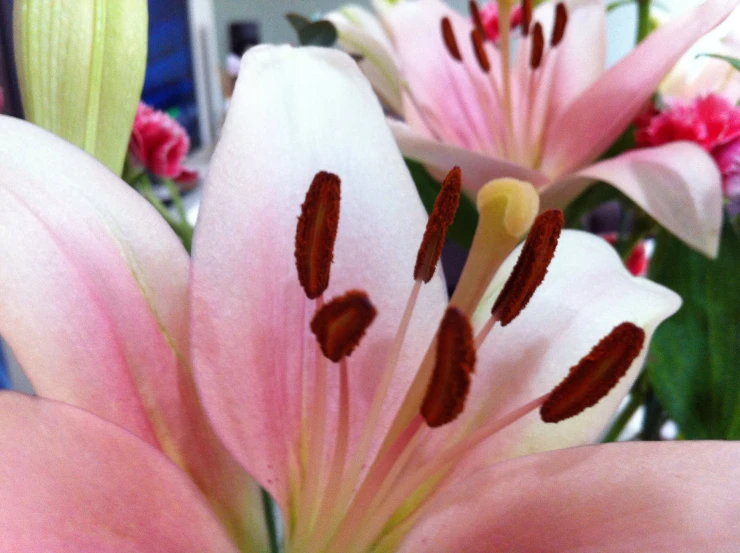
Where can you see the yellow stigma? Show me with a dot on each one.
(507, 209)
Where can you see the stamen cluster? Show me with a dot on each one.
(359, 486)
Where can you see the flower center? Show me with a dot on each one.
(514, 99)
(351, 500)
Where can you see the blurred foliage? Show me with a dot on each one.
(695, 360)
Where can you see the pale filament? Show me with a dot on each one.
(523, 147)
(369, 428)
(505, 33)
(438, 468)
(347, 475)
(309, 492)
(357, 521)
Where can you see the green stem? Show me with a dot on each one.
(633, 404)
(634, 401)
(269, 509)
(185, 231)
(181, 226)
(654, 418)
(643, 19)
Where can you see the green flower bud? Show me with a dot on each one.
(81, 67)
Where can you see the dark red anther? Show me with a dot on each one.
(531, 267)
(448, 35)
(340, 324)
(480, 52)
(595, 375)
(316, 233)
(538, 46)
(450, 381)
(526, 16)
(477, 21)
(443, 213)
(561, 21)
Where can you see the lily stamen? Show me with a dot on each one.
(477, 20)
(538, 47)
(526, 16)
(588, 382)
(453, 49)
(316, 233)
(561, 20)
(476, 38)
(535, 83)
(444, 401)
(449, 38)
(531, 267)
(441, 217)
(338, 507)
(528, 273)
(339, 326)
(596, 374)
(455, 362)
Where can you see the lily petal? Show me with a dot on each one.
(678, 184)
(581, 56)
(477, 169)
(360, 33)
(455, 96)
(70, 481)
(586, 293)
(252, 346)
(602, 113)
(678, 497)
(93, 288)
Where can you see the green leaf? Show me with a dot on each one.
(297, 21)
(312, 33)
(695, 362)
(466, 219)
(734, 62)
(319, 33)
(618, 4)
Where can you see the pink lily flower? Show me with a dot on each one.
(547, 115)
(93, 287)
(695, 76)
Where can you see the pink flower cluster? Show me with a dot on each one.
(710, 121)
(489, 18)
(159, 144)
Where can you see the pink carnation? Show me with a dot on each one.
(710, 121)
(159, 144)
(489, 18)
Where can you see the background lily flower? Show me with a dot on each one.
(81, 70)
(697, 75)
(549, 115)
(92, 288)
